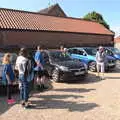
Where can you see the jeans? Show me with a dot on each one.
(24, 90)
(100, 67)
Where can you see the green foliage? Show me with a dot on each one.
(94, 16)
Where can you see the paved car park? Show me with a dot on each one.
(88, 99)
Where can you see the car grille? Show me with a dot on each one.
(77, 70)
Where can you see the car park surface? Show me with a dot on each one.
(90, 99)
(86, 99)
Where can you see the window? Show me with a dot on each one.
(108, 52)
(70, 51)
(74, 51)
(80, 52)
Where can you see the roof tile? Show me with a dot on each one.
(22, 20)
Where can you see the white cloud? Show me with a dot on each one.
(116, 29)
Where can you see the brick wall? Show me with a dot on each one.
(53, 39)
(117, 45)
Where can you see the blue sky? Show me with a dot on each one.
(74, 8)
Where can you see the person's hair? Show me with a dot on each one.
(6, 58)
(23, 52)
(101, 48)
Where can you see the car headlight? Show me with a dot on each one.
(63, 68)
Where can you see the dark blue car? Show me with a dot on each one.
(87, 55)
(114, 52)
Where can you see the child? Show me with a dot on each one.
(8, 76)
(22, 67)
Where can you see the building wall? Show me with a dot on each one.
(53, 39)
(117, 45)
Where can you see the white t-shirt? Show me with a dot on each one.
(21, 64)
(100, 57)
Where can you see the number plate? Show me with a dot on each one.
(79, 73)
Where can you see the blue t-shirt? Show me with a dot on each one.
(38, 57)
(7, 69)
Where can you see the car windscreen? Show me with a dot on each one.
(59, 56)
(91, 51)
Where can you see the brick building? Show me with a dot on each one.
(117, 42)
(18, 28)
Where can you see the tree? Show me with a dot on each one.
(94, 16)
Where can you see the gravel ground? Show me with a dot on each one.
(90, 99)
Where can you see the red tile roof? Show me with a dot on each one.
(117, 39)
(22, 20)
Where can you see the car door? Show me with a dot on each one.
(73, 53)
(83, 56)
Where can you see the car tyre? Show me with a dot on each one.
(92, 66)
(55, 75)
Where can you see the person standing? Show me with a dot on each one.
(22, 67)
(61, 48)
(100, 60)
(39, 67)
(8, 76)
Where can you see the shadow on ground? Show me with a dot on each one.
(113, 78)
(50, 97)
(114, 70)
(90, 78)
(59, 104)
(3, 104)
(74, 90)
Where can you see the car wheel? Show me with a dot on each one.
(92, 66)
(55, 75)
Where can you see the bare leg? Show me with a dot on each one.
(98, 68)
(102, 70)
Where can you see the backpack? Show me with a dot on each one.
(29, 70)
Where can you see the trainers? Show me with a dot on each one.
(11, 101)
(22, 103)
(27, 105)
